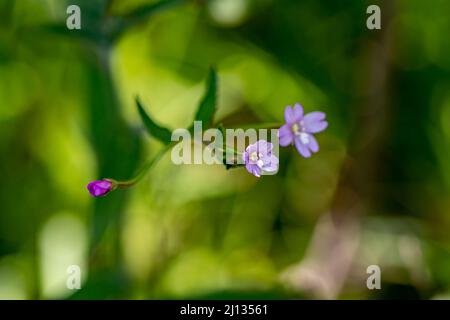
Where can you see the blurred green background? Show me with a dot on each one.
(376, 193)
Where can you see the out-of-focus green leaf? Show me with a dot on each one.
(104, 284)
(207, 107)
(161, 133)
(138, 15)
(61, 30)
(145, 11)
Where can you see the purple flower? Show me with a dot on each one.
(258, 158)
(299, 129)
(99, 188)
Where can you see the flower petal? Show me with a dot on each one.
(289, 115)
(298, 111)
(285, 135)
(314, 122)
(256, 171)
(250, 149)
(313, 145)
(301, 148)
(271, 164)
(249, 167)
(245, 157)
(263, 146)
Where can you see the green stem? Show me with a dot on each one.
(226, 150)
(266, 125)
(143, 171)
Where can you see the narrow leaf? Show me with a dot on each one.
(207, 106)
(161, 133)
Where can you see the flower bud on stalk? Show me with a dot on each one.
(100, 188)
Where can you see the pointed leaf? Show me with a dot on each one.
(207, 106)
(161, 133)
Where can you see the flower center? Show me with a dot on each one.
(255, 158)
(298, 128)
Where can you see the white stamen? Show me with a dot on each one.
(304, 137)
(253, 157)
(260, 163)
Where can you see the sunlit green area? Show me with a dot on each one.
(377, 193)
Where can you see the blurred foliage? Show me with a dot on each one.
(68, 115)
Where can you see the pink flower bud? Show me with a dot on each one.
(99, 188)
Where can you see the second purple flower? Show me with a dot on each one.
(259, 159)
(299, 129)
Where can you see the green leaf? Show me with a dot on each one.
(228, 153)
(143, 12)
(61, 30)
(161, 133)
(140, 14)
(207, 106)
